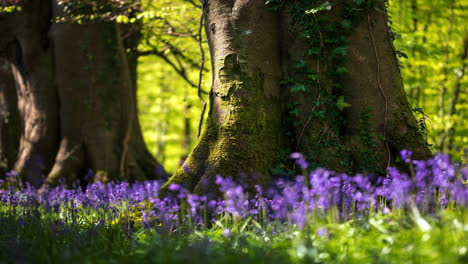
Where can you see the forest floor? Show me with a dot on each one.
(421, 217)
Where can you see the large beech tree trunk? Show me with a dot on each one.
(272, 91)
(242, 132)
(76, 90)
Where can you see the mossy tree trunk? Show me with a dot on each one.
(322, 80)
(353, 115)
(76, 89)
(242, 131)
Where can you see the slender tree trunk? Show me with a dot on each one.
(76, 98)
(252, 115)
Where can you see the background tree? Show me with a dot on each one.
(76, 90)
(335, 65)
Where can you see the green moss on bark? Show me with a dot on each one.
(240, 137)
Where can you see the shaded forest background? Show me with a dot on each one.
(431, 40)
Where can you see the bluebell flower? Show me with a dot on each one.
(226, 232)
(174, 187)
(406, 155)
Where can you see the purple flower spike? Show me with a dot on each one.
(297, 155)
(406, 155)
(174, 187)
(302, 163)
(219, 180)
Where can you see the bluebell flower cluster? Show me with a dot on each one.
(431, 185)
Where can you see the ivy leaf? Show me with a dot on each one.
(342, 70)
(314, 51)
(294, 112)
(341, 104)
(298, 87)
(313, 77)
(300, 65)
(346, 23)
(340, 51)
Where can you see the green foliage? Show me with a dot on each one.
(398, 237)
(327, 41)
(432, 40)
(167, 103)
(298, 87)
(164, 102)
(10, 9)
(341, 104)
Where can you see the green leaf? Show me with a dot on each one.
(340, 51)
(10, 9)
(298, 87)
(341, 104)
(346, 23)
(314, 51)
(300, 65)
(121, 19)
(313, 77)
(294, 112)
(341, 70)
(359, 2)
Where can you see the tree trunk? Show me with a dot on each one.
(340, 100)
(28, 49)
(241, 134)
(77, 99)
(9, 119)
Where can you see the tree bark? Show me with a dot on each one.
(241, 134)
(28, 49)
(9, 119)
(76, 98)
(252, 48)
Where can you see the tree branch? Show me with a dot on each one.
(180, 71)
